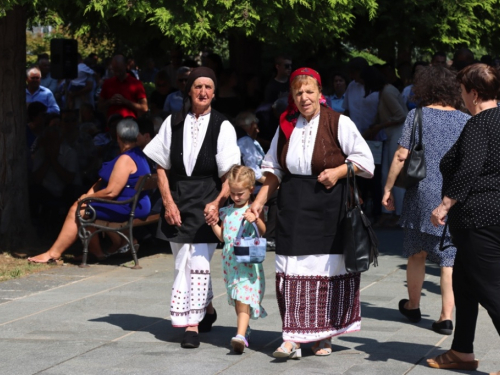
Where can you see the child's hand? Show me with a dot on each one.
(249, 216)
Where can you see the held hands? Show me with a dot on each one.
(329, 177)
(172, 214)
(438, 215)
(388, 201)
(211, 213)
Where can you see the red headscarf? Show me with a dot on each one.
(288, 119)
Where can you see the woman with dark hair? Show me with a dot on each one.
(194, 150)
(438, 92)
(471, 205)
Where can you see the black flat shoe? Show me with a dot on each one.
(445, 327)
(413, 315)
(190, 340)
(206, 324)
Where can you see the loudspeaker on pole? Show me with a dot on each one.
(64, 58)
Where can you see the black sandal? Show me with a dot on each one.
(190, 340)
(206, 324)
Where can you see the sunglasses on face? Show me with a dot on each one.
(287, 66)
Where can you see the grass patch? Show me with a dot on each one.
(13, 268)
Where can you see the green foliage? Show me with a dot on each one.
(38, 43)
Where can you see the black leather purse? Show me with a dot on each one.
(414, 169)
(358, 238)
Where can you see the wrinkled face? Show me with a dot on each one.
(339, 85)
(240, 194)
(306, 98)
(202, 92)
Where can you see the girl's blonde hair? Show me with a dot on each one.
(241, 174)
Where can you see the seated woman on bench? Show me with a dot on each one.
(117, 181)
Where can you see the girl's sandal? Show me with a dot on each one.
(295, 353)
(450, 360)
(322, 348)
(238, 343)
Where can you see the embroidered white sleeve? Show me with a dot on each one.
(270, 162)
(158, 149)
(228, 152)
(355, 147)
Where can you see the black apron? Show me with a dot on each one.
(309, 215)
(192, 193)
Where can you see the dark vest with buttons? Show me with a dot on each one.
(308, 213)
(192, 193)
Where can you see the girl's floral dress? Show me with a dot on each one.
(245, 282)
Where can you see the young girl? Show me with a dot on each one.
(245, 282)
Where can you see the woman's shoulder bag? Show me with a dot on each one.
(414, 169)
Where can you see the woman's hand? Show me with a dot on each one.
(388, 201)
(255, 208)
(438, 215)
(211, 213)
(172, 214)
(329, 177)
(250, 216)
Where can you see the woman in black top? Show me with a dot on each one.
(471, 200)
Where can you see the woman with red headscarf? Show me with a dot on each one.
(317, 298)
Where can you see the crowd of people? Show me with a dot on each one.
(95, 135)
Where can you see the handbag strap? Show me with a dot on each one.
(242, 225)
(351, 199)
(417, 123)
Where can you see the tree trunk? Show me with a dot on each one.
(14, 213)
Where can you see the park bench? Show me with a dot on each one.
(124, 229)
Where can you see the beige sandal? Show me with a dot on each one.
(450, 360)
(322, 348)
(295, 353)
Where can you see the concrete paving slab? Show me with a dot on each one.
(114, 320)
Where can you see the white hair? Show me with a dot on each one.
(29, 70)
(128, 130)
(246, 119)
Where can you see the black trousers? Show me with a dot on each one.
(476, 280)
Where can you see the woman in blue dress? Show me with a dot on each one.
(117, 181)
(437, 91)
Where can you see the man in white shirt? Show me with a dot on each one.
(81, 89)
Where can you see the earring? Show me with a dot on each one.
(474, 102)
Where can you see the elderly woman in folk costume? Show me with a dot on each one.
(194, 150)
(317, 298)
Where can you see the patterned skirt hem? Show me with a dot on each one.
(291, 336)
(232, 297)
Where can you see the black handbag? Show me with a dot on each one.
(358, 238)
(414, 169)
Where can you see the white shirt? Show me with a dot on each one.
(301, 147)
(84, 74)
(228, 153)
(252, 154)
(362, 111)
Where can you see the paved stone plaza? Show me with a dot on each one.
(114, 320)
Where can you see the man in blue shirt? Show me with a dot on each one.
(37, 93)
